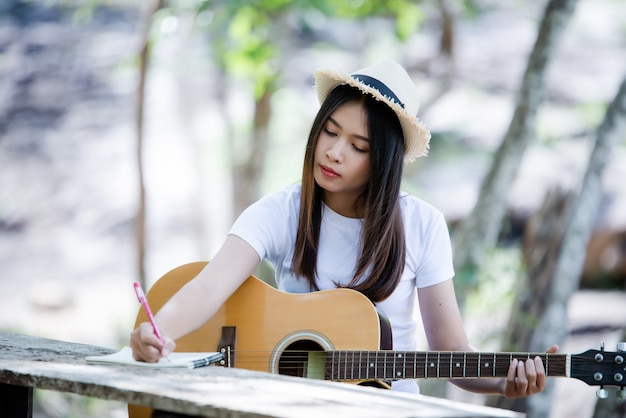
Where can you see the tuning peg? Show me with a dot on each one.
(602, 393)
(621, 346)
(621, 393)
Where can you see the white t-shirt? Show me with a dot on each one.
(270, 224)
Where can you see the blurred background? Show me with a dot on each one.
(132, 133)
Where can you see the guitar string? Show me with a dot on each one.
(297, 358)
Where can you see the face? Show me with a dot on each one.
(342, 158)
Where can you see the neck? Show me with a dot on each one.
(343, 204)
(364, 365)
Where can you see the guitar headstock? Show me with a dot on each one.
(601, 368)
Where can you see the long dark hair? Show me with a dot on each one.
(382, 246)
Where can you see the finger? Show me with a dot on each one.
(510, 376)
(145, 345)
(511, 380)
(168, 347)
(143, 352)
(553, 349)
(522, 381)
(541, 374)
(531, 375)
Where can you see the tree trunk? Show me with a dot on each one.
(144, 58)
(543, 241)
(248, 171)
(554, 275)
(552, 327)
(480, 230)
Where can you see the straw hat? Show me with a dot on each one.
(389, 83)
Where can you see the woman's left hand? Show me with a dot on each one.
(527, 377)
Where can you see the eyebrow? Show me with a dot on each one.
(361, 137)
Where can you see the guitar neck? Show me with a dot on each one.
(391, 365)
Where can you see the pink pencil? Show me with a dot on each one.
(144, 302)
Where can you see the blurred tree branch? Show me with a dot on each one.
(555, 251)
(149, 10)
(479, 231)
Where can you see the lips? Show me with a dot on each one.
(328, 172)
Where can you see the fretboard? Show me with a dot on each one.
(390, 365)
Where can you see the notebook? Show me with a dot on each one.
(174, 360)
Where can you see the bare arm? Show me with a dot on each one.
(445, 332)
(198, 300)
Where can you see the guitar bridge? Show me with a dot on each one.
(226, 346)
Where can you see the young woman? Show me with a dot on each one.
(348, 224)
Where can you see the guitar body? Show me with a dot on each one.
(267, 330)
(269, 323)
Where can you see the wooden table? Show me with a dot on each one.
(28, 362)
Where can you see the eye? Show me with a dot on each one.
(359, 149)
(329, 133)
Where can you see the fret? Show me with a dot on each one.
(420, 365)
(504, 361)
(464, 364)
(396, 373)
(484, 364)
(457, 364)
(471, 363)
(360, 365)
(404, 365)
(339, 363)
(445, 364)
(432, 365)
(393, 373)
(384, 365)
(352, 367)
(400, 374)
(559, 365)
(338, 367)
(426, 366)
(478, 365)
(351, 364)
(364, 369)
(377, 367)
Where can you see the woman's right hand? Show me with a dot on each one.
(147, 347)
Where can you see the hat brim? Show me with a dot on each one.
(416, 134)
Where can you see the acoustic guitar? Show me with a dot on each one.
(337, 335)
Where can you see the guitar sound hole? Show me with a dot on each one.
(294, 361)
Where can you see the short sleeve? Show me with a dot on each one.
(267, 224)
(428, 245)
(436, 263)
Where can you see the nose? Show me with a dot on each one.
(335, 151)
